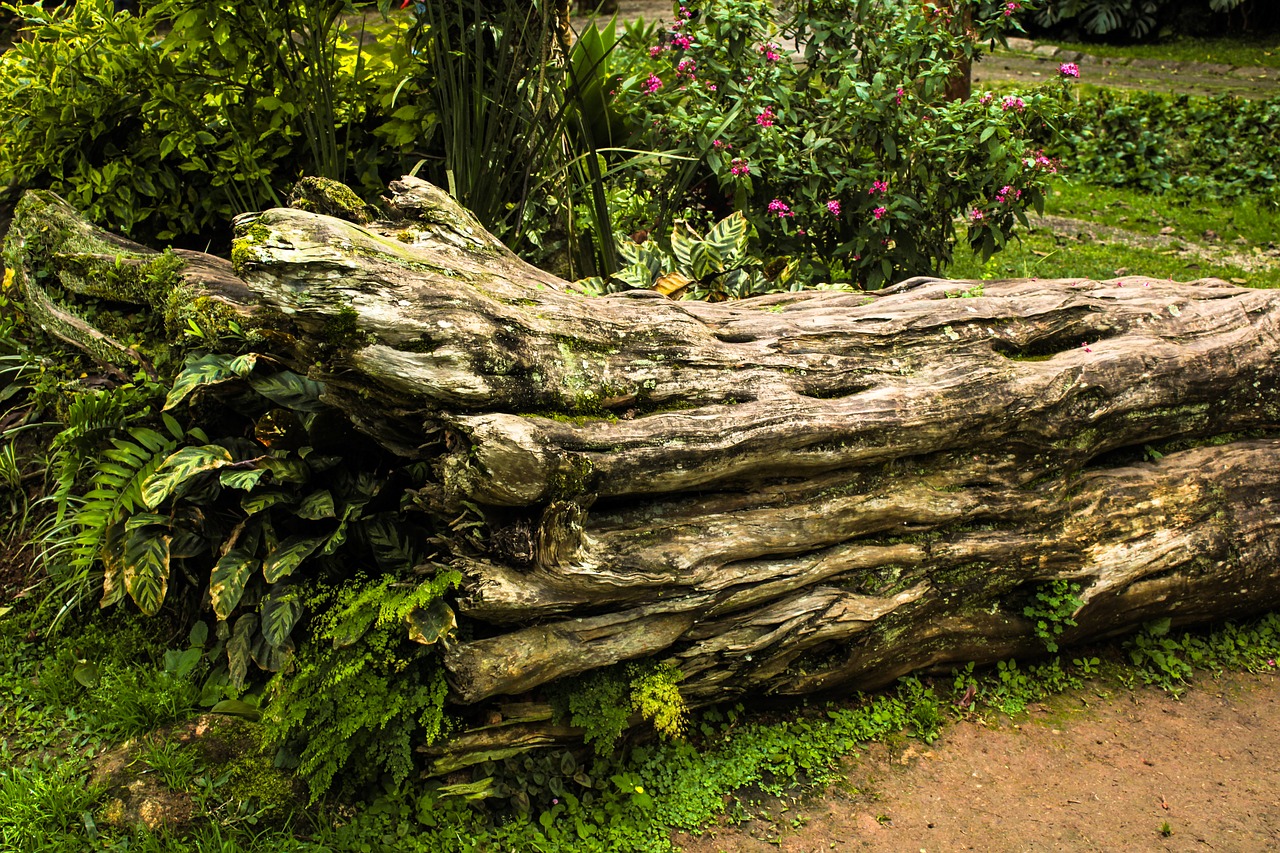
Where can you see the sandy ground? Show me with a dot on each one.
(1092, 771)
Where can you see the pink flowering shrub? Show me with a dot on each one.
(853, 163)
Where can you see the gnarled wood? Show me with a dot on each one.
(793, 493)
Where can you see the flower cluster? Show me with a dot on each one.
(770, 51)
(1069, 69)
(977, 215)
(1008, 194)
(653, 84)
(834, 207)
(1039, 161)
(878, 187)
(765, 119)
(686, 67)
(681, 42)
(780, 208)
(1010, 8)
(739, 167)
(879, 212)
(1013, 102)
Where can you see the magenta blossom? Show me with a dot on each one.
(1069, 69)
(682, 42)
(739, 167)
(687, 66)
(834, 207)
(879, 212)
(897, 99)
(770, 51)
(656, 49)
(986, 98)
(765, 119)
(1010, 8)
(780, 208)
(1013, 102)
(878, 187)
(653, 84)
(977, 216)
(1008, 193)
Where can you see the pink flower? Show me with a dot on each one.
(739, 167)
(879, 212)
(656, 49)
(681, 42)
(834, 207)
(717, 144)
(1085, 347)
(1069, 69)
(770, 52)
(977, 215)
(986, 98)
(765, 119)
(686, 66)
(1008, 193)
(780, 208)
(1010, 8)
(898, 98)
(1013, 102)
(652, 85)
(878, 187)
(685, 13)
(712, 86)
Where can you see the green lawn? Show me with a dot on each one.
(1231, 51)
(1159, 236)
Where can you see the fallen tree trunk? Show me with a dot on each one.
(789, 494)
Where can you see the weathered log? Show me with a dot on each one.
(793, 493)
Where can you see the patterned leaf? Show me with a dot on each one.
(180, 468)
(209, 370)
(146, 567)
(280, 611)
(269, 657)
(729, 237)
(428, 625)
(258, 501)
(226, 582)
(288, 389)
(392, 551)
(316, 506)
(244, 480)
(282, 561)
(112, 555)
(239, 648)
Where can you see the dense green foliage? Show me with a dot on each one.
(1148, 19)
(164, 125)
(1199, 147)
(855, 162)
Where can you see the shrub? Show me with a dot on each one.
(1215, 147)
(162, 126)
(856, 156)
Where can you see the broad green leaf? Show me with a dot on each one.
(636, 276)
(288, 389)
(280, 611)
(258, 501)
(316, 506)
(180, 468)
(236, 708)
(209, 370)
(244, 480)
(226, 582)
(286, 470)
(198, 635)
(682, 245)
(391, 550)
(270, 657)
(112, 556)
(428, 625)
(146, 567)
(282, 561)
(86, 674)
(729, 236)
(239, 648)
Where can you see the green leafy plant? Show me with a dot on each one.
(360, 695)
(1052, 610)
(854, 161)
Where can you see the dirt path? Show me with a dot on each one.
(1088, 772)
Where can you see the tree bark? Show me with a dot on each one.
(790, 494)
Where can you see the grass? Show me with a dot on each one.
(1117, 232)
(1242, 52)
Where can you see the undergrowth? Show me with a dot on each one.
(57, 715)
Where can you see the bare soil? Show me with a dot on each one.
(1095, 770)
